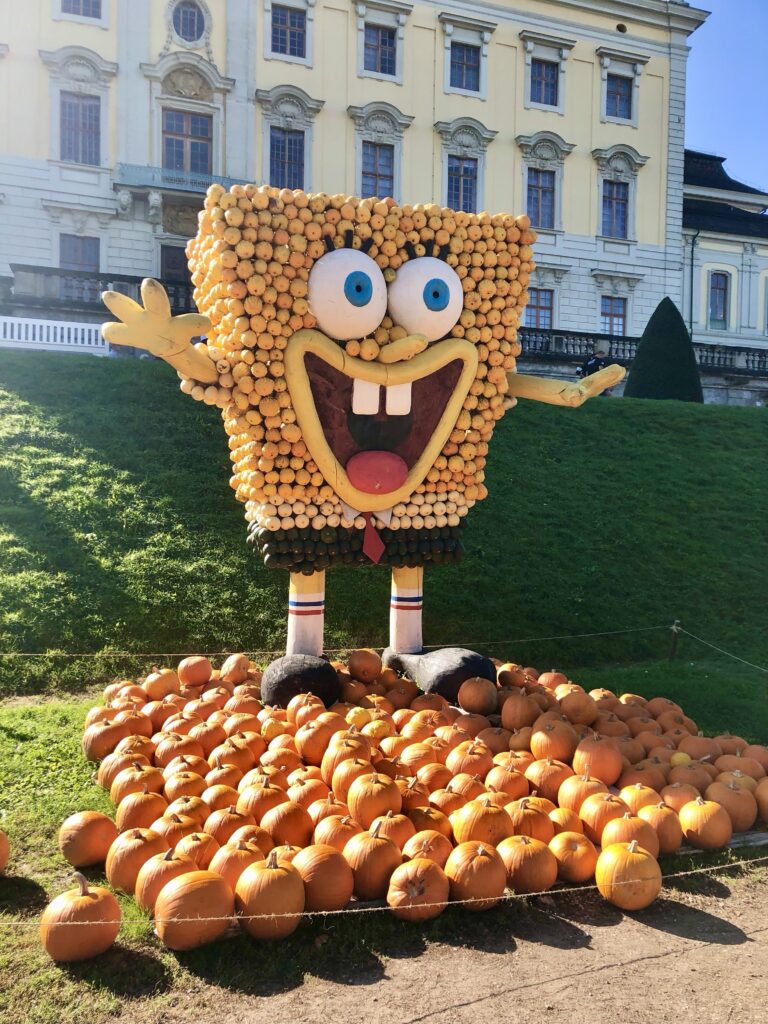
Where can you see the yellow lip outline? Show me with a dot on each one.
(434, 358)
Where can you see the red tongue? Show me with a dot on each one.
(377, 472)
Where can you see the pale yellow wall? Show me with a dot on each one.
(333, 78)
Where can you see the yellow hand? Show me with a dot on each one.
(153, 328)
(576, 394)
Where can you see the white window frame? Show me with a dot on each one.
(627, 65)
(541, 288)
(212, 106)
(555, 49)
(707, 269)
(618, 163)
(762, 303)
(57, 14)
(386, 14)
(471, 32)
(380, 123)
(545, 151)
(79, 70)
(616, 284)
(308, 6)
(465, 137)
(288, 107)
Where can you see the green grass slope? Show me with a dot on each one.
(118, 530)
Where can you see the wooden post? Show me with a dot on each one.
(675, 627)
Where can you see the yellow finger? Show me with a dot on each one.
(116, 334)
(121, 306)
(188, 325)
(155, 299)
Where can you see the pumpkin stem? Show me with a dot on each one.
(375, 830)
(272, 859)
(169, 854)
(389, 814)
(525, 840)
(699, 801)
(82, 881)
(346, 819)
(241, 845)
(632, 846)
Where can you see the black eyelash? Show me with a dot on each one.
(330, 247)
(442, 253)
(349, 236)
(412, 254)
(366, 245)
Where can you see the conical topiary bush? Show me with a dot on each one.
(665, 365)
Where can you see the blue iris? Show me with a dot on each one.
(358, 288)
(436, 294)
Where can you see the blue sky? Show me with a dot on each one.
(727, 103)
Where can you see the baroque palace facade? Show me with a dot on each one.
(121, 112)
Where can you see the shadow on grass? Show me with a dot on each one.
(691, 923)
(21, 896)
(124, 972)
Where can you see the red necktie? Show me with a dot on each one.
(373, 545)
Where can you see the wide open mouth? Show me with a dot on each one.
(373, 429)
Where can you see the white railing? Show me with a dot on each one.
(52, 336)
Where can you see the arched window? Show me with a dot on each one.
(379, 129)
(465, 141)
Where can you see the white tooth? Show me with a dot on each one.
(385, 516)
(399, 400)
(349, 513)
(365, 398)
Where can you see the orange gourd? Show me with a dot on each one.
(477, 875)
(80, 924)
(418, 890)
(576, 856)
(530, 864)
(628, 876)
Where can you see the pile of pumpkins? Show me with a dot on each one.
(228, 810)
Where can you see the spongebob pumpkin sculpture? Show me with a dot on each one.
(361, 353)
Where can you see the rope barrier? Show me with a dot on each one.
(728, 654)
(506, 897)
(328, 650)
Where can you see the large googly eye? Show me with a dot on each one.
(347, 294)
(426, 297)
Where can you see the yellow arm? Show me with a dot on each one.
(153, 328)
(560, 392)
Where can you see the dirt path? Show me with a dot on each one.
(693, 956)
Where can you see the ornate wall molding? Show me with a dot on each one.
(78, 66)
(173, 39)
(288, 106)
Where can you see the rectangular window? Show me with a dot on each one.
(618, 97)
(82, 8)
(286, 158)
(80, 126)
(718, 300)
(378, 169)
(187, 141)
(465, 67)
(462, 183)
(289, 31)
(615, 209)
(538, 312)
(380, 50)
(613, 315)
(80, 253)
(541, 198)
(545, 75)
